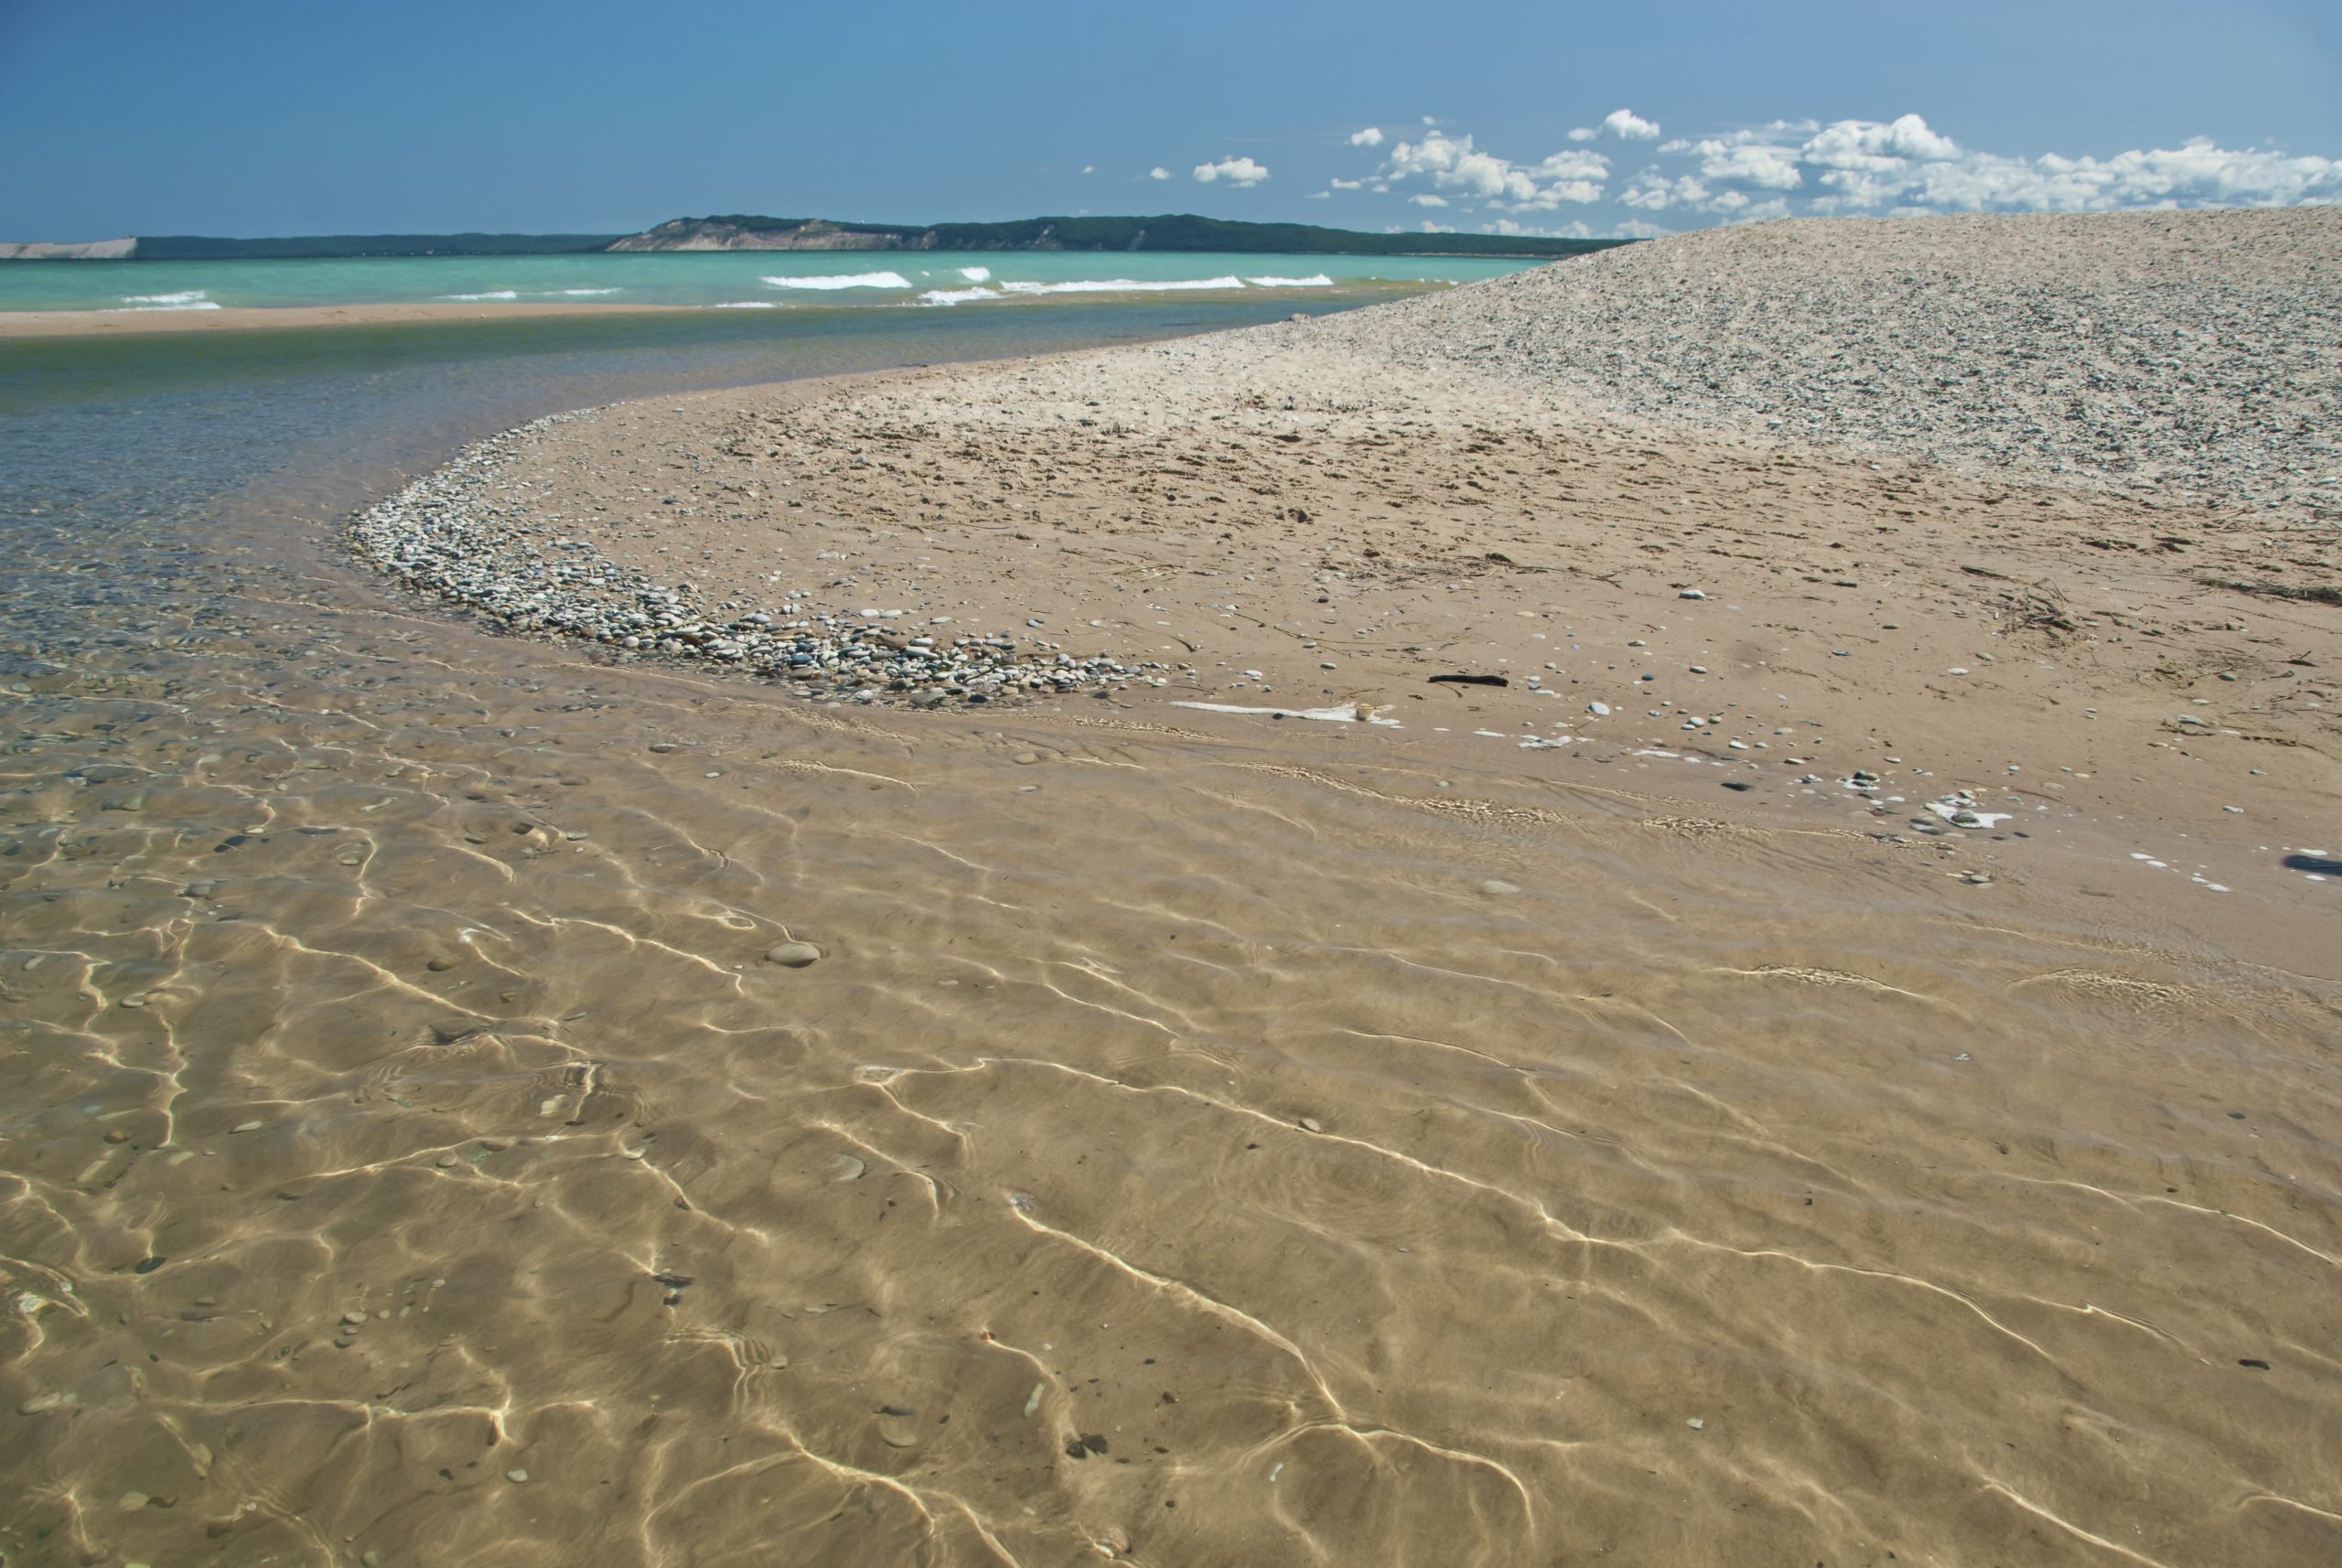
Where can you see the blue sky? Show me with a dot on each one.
(267, 116)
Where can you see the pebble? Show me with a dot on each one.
(2045, 345)
(1498, 886)
(247, 1127)
(1310, 1124)
(793, 955)
(56, 1399)
(516, 1476)
(1692, 593)
(457, 535)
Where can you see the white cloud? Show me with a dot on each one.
(1421, 199)
(1242, 172)
(1635, 228)
(1089, 169)
(1507, 227)
(1628, 126)
(1454, 165)
(1744, 159)
(1872, 146)
(1347, 184)
(1370, 137)
(2198, 173)
(1428, 226)
(1653, 191)
(1583, 133)
(1903, 165)
(1317, 196)
(1158, 172)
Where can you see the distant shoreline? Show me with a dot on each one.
(1166, 234)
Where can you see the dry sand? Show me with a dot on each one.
(1209, 1138)
(1324, 515)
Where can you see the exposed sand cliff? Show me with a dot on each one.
(68, 250)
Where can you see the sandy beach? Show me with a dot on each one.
(930, 967)
(1327, 516)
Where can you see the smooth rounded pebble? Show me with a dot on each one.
(793, 955)
(1499, 887)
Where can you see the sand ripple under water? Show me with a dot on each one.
(1193, 1139)
(1174, 1144)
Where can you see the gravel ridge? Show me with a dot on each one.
(460, 534)
(2176, 357)
(2195, 354)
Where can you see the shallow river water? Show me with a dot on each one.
(420, 1146)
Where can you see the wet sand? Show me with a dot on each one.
(1199, 1137)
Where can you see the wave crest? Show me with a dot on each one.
(957, 295)
(186, 299)
(1123, 285)
(843, 280)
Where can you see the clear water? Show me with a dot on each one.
(407, 1155)
(754, 282)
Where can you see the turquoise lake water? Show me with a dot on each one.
(749, 280)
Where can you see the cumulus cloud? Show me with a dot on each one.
(1744, 159)
(1242, 172)
(1347, 184)
(1158, 172)
(1872, 146)
(1630, 126)
(1370, 137)
(1511, 229)
(1421, 200)
(2199, 173)
(1636, 229)
(1583, 133)
(1653, 192)
(1455, 165)
(1318, 196)
(1906, 166)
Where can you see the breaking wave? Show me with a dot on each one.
(1315, 279)
(958, 296)
(186, 299)
(843, 280)
(1123, 285)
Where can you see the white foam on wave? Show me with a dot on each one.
(1122, 285)
(843, 280)
(745, 304)
(1315, 279)
(473, 298)
(186, 299)
(976, 275)
(957, 295)
(580, 292)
